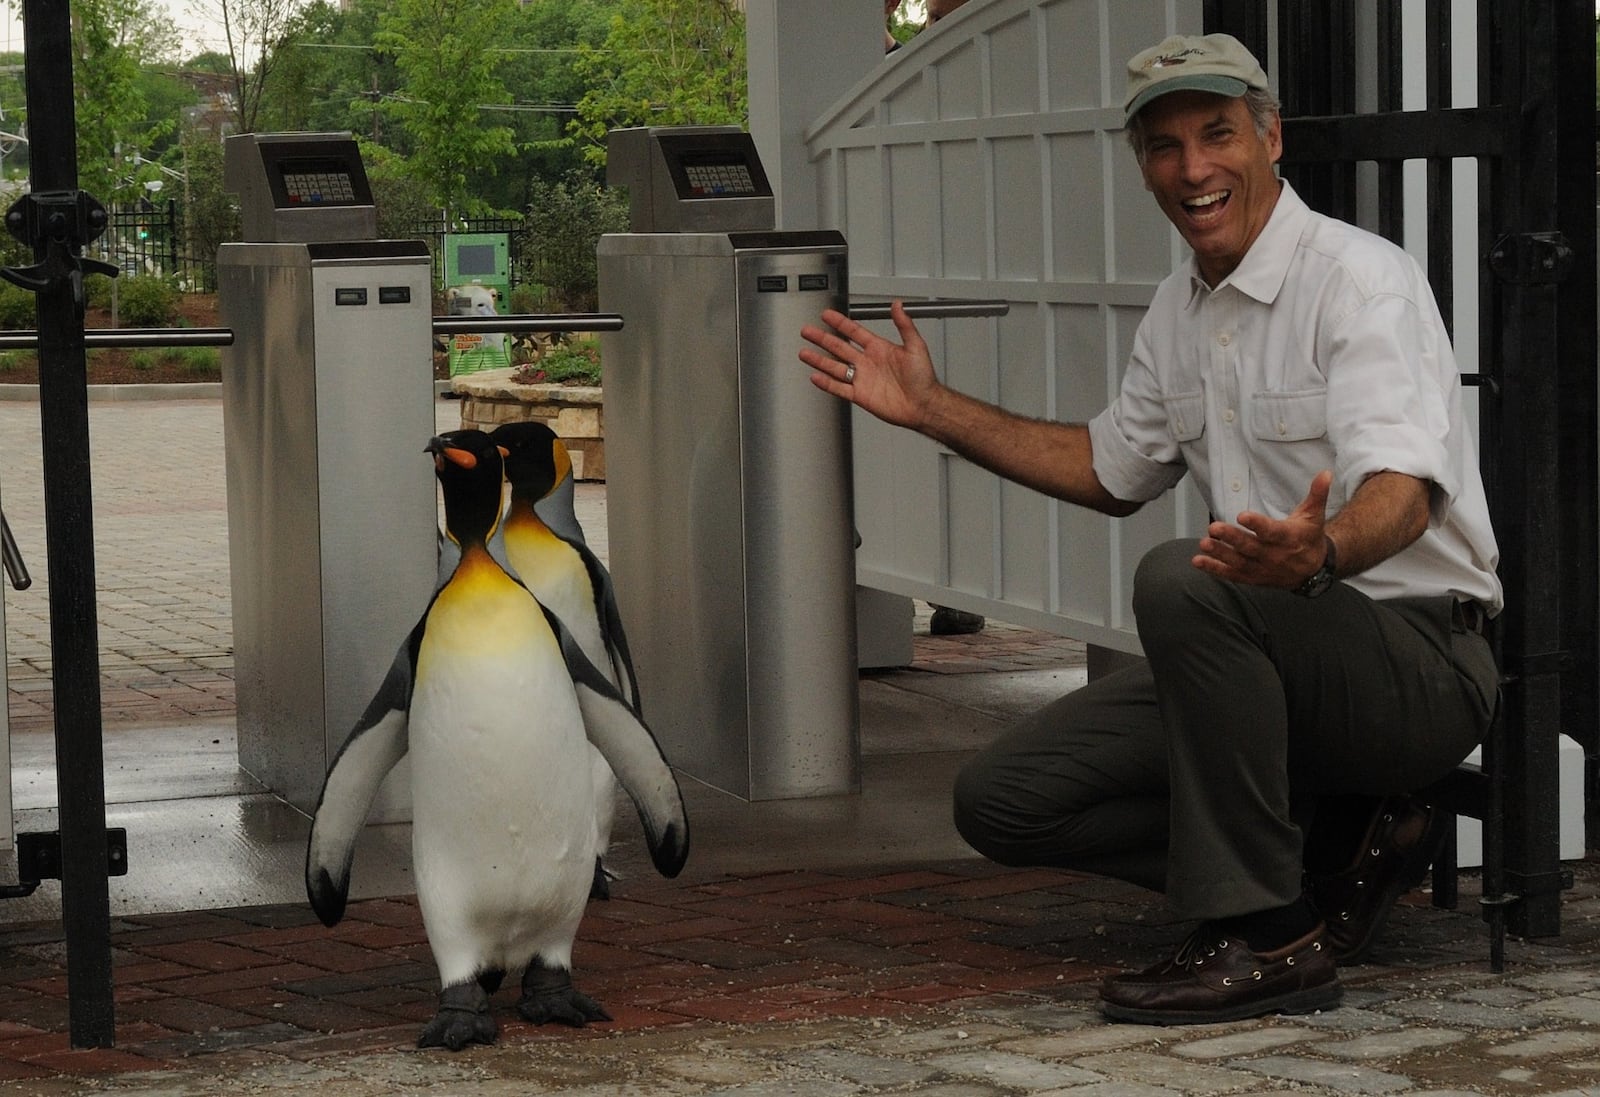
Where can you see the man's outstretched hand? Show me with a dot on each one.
(1270, 552)
(894, 381)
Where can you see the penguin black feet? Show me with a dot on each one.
(548, 995)
(463, 1019)
(600, 888)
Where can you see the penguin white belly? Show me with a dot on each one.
(503, 830)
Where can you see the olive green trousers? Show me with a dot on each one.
(1198, 773)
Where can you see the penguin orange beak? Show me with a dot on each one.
(443, 451)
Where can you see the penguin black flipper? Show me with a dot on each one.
(611, 625)
(634, 755)
(375, 746)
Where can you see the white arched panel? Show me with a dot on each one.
(986, 159)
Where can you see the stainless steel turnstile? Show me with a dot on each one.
(729, 505)
(327, 405)
(728, 475)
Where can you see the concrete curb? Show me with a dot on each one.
(185, 390)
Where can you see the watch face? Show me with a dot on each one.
(1319, 581)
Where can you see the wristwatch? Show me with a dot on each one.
(1321, 579)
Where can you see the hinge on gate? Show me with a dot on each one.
(1531, 258)
(39, 855)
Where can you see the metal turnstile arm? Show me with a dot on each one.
(929, 310)
(11, 556)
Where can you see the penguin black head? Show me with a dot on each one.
(536, 460)
(471, 470)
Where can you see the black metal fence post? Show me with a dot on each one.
(64, 416)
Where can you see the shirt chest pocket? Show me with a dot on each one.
(1186, 415)
(1289, 416)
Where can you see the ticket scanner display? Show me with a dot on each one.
(690, 179)
(327, 404)
(300, 187)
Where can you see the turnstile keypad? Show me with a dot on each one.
(719, 179)
(333, 187)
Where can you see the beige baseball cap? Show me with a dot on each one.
(1217, 63)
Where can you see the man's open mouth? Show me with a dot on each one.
(1207, 207)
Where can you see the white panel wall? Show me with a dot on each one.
(985, 159)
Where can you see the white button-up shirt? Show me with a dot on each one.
(1324, 349)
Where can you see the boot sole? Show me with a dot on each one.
(1301, 1001)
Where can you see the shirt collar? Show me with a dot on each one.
(1260, 274)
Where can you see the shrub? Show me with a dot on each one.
(97, 291)
(577, 361)
(565, 220)
(18, 308)
(532, 297)
(201, 361)
(146, 302)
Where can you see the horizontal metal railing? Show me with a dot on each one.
(129, 337)
(929, 310)
(532, 321)
(28, 339)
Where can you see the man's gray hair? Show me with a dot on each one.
(1260, 102)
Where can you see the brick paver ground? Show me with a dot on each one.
(880, 979)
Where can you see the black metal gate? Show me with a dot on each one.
(1529, 140)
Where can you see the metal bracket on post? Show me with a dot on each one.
(39, 855)
(62, 222)
(1531, 258)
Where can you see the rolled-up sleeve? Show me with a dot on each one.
(1135, 455)
(1386, 411)
(1124, 470)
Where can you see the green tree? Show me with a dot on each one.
(13, 115)
(664, 63)
(444, 51)
(539, 65)
(327, 75)
(210, 214)
(253, 30)
(166, 95)
(403, 202)
(564, 222)
(110, 41)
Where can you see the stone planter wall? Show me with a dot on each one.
(575, 413)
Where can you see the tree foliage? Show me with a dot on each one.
(110, 40)
(564, 222)
(403, 202)
(211, 217)
(444, 50)
(253, 30)
(539, 67)
(664, 63)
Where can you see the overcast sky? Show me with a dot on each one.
(196, 35)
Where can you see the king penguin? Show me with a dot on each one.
(569, 580)
(493, 698)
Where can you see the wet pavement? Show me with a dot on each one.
(834, 946)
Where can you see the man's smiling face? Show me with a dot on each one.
(1211, 173)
